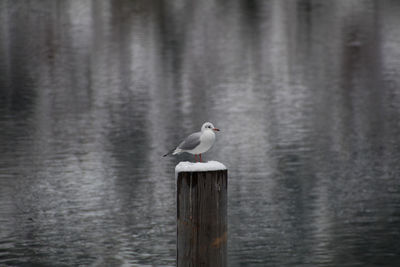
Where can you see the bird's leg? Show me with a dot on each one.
(195, 157)
(200, 157)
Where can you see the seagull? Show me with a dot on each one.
(197, 143)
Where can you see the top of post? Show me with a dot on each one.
(186, 166)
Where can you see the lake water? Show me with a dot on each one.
(306, 94)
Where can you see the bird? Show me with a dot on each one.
(197, 143)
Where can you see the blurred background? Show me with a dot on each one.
(305, 92)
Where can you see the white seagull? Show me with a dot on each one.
(197, 143)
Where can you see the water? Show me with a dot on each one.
(306, 94)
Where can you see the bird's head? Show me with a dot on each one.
(208, 126)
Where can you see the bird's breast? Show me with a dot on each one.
(207, 140)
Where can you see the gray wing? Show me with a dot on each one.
(190, 142)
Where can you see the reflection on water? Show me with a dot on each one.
(94, 92)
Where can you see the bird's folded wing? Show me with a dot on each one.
(191, 142)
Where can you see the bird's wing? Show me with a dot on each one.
(191, 142)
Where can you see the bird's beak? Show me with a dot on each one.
(216, 129)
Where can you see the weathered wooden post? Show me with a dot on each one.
(201, 214)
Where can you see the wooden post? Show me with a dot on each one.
(202, 218)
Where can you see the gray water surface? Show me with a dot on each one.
(306, 94)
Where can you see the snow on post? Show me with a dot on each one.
(202, 214)
(186, 166)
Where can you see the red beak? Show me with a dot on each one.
(216, 129)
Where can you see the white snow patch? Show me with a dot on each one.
(186, 166)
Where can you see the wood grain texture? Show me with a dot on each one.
(202, 218)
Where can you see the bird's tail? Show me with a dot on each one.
(169, 153)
